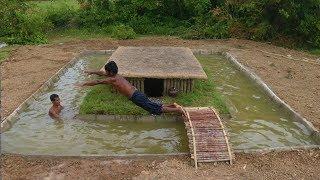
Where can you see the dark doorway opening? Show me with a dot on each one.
(153, 87)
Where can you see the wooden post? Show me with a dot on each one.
(141, 82)
(175, 83)
(192, 84)
(186, 85)
(142, 85)
(187, 115)
(164, 87)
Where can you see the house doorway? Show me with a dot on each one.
(153, 87)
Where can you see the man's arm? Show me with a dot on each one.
(99, 73)
(96, 82)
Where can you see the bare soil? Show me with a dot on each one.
(281, 165)
(293, 75)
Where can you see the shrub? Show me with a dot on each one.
(61, 13)
(19, 27)
(123, 32)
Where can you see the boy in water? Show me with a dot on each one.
(125, 88)
(55, 110)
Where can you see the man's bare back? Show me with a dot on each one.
(122, 86)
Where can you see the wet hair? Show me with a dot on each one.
(53, 97)
(111, 67)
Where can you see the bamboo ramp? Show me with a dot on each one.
(208, 141)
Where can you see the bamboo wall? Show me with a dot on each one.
(182, 85)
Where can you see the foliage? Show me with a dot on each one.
(123, 32)
(60, 13)
(4, 53)
(17, 26)
(290, 21)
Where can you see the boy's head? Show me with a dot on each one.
(55, 99)
(111, 68)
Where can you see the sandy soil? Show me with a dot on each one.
(295, 81)
(289, 165)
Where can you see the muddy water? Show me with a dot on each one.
(36, 133)
(256, 121)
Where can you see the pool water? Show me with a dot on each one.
(36, 133)
(257, 122)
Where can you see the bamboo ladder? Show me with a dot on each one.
(194, 144)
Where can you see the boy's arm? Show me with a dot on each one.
(96, 82)
(99, 73)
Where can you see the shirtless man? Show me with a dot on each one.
(125, 88)
(55, 110)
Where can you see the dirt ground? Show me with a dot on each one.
(281, 165)
(293, 75)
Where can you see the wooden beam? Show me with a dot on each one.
(225, 134)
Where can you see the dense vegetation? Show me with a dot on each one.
(292, 22)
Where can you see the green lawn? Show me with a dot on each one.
(100, 99)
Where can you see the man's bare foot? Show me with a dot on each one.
(179, 107)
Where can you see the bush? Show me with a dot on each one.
(19, 27)
(297, 21)
(61, 13)
(29, 29)
(122, 32)
(95, 13)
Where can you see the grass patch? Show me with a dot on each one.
(108, 32)
(315, 51)
(65, 35)
(4, 53)
(100, 99)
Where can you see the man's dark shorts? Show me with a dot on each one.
(143, 101)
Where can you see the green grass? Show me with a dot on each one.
(65, 35)
(100, 99)
(315, 51)
(106, 33)
(4, 53)
(46, 6)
